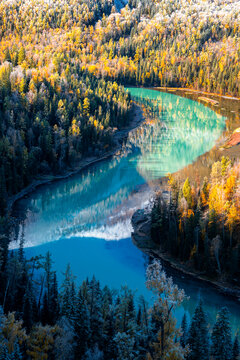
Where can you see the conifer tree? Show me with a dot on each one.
(3, 191)
(184, 330)
(108, 323)
(45, 318)
(198, 338)
(221, 348)
(95, 311)
(108, 335)
(28, 316)
(7, 55)
(82, 325)
(67, 296)
(236, 349)
(125, 346)
(54, 301)
(65, 341)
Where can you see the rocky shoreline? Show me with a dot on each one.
(118, 139)
(141, 237)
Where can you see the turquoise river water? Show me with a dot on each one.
(85, 220)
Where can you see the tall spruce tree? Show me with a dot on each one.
(3, 191)
(67, 294)
(27, 311)
(221, 348)
(95, 310)
(81, 325)
(236, 349)
(54, 301)
(198, 338)
(184, 330)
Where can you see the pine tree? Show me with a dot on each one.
(65, 341)
(2, 317)
(125, 346)
(82, 325)
(96, 318)
(221, 348)
(28, 316)
(108, 331)
(66, 294)
(7, 55)
(54, 301)
(184, 330)
(143, 327)
(49, 274)
(198, 338)
(45, 310)
(236, 349)
(3, 191)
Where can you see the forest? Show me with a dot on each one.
(199, 225)
(63, 67)
(45, 321)
(150, 43)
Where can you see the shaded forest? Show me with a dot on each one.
(90, 322)
(199, 225)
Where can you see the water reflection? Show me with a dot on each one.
(180, 131)
(99, 201)
(84, 211)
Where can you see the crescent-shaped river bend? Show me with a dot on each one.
(85, 220)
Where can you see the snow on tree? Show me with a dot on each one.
(125, 346)
(64, 344)
(168, 298)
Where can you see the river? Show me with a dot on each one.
(85, 220)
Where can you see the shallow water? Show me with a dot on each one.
(85, 220)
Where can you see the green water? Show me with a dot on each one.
(85, 220)
(184, 130)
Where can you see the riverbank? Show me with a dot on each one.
(118, 138)
(201, 167)
(229, 97)
(141, 237)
